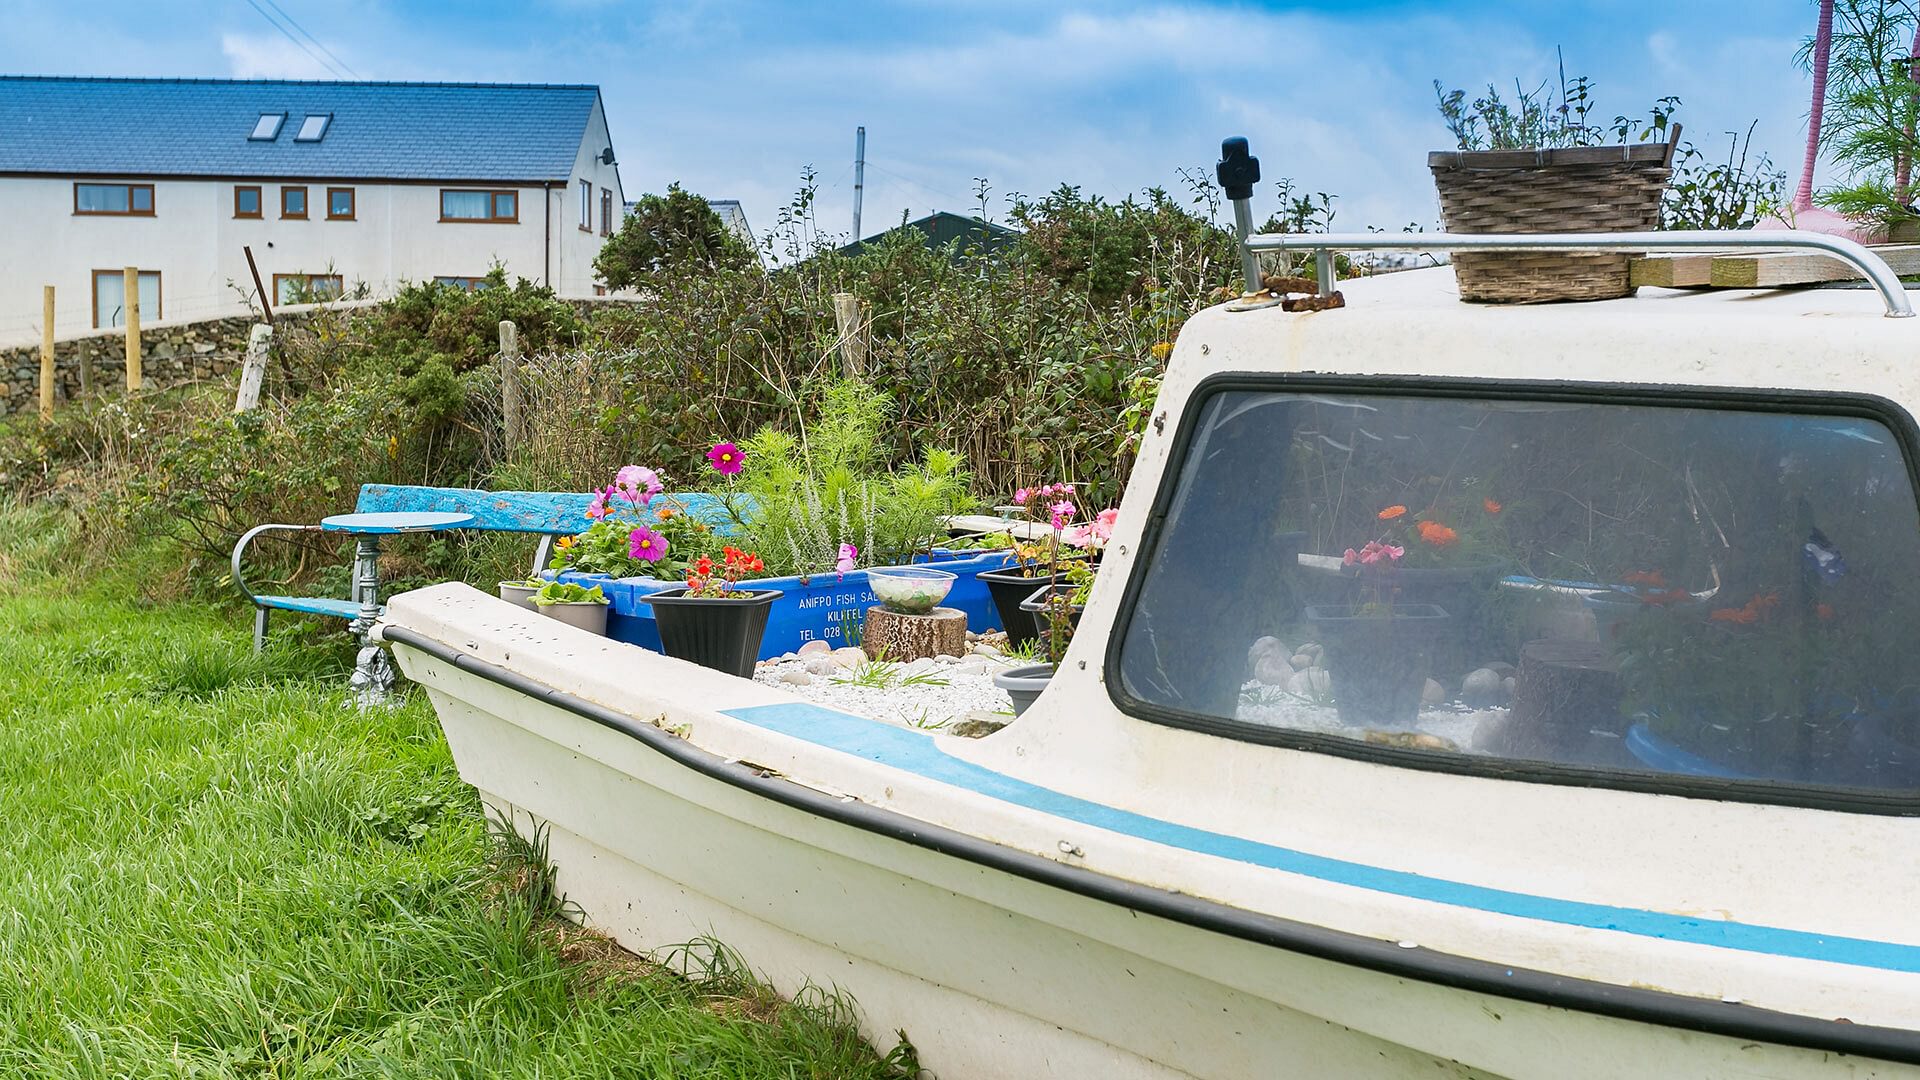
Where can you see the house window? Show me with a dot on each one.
(606, 212)
(307, 288)
(246, 201)
(461, 281)
(339, 204)
(313, 128)
(483, 206)
(293, 202)
(110, 297)
(267, 128)
(586, 205)
(114, 200)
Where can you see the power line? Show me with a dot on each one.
(317, 42)
(284, 32)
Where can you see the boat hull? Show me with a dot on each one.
(990, 972)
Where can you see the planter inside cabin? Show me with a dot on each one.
(1379, 657)
(719, 632)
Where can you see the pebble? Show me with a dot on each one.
(978, 665)
(1273, 670)
(1312, 683)
(849, 657)
(796, 677)
(984, 649)
(1482, 688)
(815, 648)
(822, 665)
(1301, 661)
(1312, 650)
(1433, 693)
(926, 665)
(1263, 648)
(1509, 684)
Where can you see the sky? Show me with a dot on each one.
(735, 100)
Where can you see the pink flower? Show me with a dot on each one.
(1021, 496)
(726, 458)
(646, 545)
(637, 484)
(848, 553)
(1094, 533)
(597, 509)
(1374, 552)
(1062, 513)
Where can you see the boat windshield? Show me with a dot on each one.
(1629, 586)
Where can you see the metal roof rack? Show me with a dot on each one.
(1238, 172)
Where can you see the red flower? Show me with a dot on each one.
(1392, 512)
(1437, 534)
(1493, 507)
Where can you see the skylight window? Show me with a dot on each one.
(313, 128)
(267, 128)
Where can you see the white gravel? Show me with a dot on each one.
(949, 688)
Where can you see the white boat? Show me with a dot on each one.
(1168, 867)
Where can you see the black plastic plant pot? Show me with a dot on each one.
(1008, 589)
(720, 632)
(1379, 657)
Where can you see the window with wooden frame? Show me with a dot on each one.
(110, 297)
(461, 281)
(112, 200)
(485, 207)
(307, 288)
(246, 201)
(293, 203)
(339, 204)
(586, 206)
(606, 212)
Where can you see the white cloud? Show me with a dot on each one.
(262, 56)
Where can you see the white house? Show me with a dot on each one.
(331, 185)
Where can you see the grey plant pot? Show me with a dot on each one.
(588, 617)
(1024, 684)
(515, 593)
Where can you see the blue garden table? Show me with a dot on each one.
(372, 671)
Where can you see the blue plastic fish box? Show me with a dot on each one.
(809, 608)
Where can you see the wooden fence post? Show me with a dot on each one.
(253, 370)
(46, 354)
(510, 383)
(83, 359)
(852, 332)
(131, 285)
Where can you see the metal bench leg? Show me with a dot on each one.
(259, 628)
(372, 681)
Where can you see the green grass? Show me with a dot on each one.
(210, 867)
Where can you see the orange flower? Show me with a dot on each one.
(1392, 512)
(1493, 507)
(663, 513)
(566, 542)
(1437, 534)
(1740, 615)
(1824, 612)
(1666, 596)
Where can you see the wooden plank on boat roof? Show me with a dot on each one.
(1767, 269)
(1683, 270)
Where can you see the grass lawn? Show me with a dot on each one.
(211, 868)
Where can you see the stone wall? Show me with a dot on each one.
(170, 354)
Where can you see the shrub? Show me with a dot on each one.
(665, 231)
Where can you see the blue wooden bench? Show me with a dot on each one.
(547, 514)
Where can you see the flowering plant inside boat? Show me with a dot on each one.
(635, 529)
(706, 578)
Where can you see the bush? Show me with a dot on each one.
(666, 231)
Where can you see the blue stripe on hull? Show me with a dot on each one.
(915, 752)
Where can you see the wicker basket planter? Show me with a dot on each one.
(1579, 189)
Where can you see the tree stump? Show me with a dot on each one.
(1566, 704)
(895, 635)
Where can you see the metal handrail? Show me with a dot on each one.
(1862, 258)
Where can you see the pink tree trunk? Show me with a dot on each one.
(1822, 45)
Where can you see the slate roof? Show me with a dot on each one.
(380, 130)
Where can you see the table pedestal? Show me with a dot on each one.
(372, 681)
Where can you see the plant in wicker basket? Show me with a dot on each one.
(1537, 166)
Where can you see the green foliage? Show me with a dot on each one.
(1731, 194)
(566, 592)
(831, 486)
(1873, 102)
(461, 327)
(1533, 120)
(664, 231)
(264, 883)
(1108, 251)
